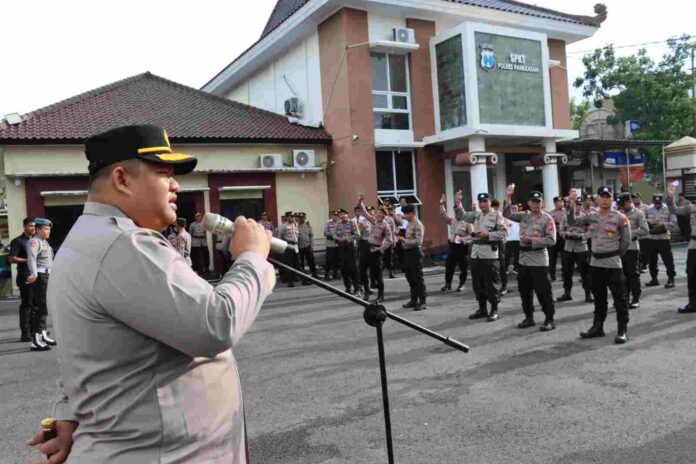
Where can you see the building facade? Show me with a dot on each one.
(420, 97)
(247, 158)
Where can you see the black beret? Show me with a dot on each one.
(536, 195)
(657, 197)
(483, 197)
(408, 209)
(623, 197)
(181, 221)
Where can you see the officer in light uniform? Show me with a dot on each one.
(660, 224)
(39, 262)
(412, 241)
(266, 222)
(537, 234)
(575, 253)
(289, 232)
(200, 254)
(690, 211)
(610, 232)
(489, 231)
(381, 238)
(638, 203)
(555, 251)
(388, 256)
(305, 244)
(181, 240)
(332, 260)
(459, 234)
(145, 354)
(345, 235)
(364, 229)
(631, 260)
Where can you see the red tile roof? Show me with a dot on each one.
(188, 114)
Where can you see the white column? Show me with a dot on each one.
(479, 176)
(549, 174)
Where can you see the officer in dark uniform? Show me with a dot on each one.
(18, 256)
(412, 241)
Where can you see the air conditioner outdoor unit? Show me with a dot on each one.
(293, 107)
(402, 34)
(271, 161)
(303, 158)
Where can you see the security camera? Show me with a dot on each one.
(356, 137)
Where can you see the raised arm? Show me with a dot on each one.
(459, 212)
(517, 217)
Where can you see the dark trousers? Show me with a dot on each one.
(615, 281)
(307, 254)
(39, 310)
(554, 253)
(388, 260)
(512, 254)
(26, 305)
(290, 258)
(457, 255)
(570, 260)
(664, 249)
(363, 264)
(349, 273)
(413, 268)
(631, 269)
(684, 223)
(535, 280)
(333, 263)
(200, 256)
(691, 276)
(485, 278)
(644, 253)
(503, 268)
(374, 262)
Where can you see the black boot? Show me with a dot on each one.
(411, 304)
(380, 296)
(670, 283)
(565, 297)
(481, 313)
(595, 331)
(588, 297)
(689, 308)
(653, 283)
(526, 323)
(634, 304)
(447, 287)
(493, 316)
(622, 334)
(421, 306)
(548, 325)
(460, 287)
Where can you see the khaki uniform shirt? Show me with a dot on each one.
(329, 231)
(458, 231)
(182, 244)
(609, 232)
(305, 235)
(663, 223)
(557, 215)
(493, 222)
(346, 232)
(541, 230)
(639, 227)
(413, 237)
(268, 225)
(686, 210)
(39, 256)
(392, 225)
(575, 235)
(198, 238)
(145, 345)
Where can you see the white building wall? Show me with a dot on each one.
(380, 25)
(296, 73)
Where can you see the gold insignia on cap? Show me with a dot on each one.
(166, 138)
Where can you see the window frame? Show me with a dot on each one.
(390, 94)
(395, 192)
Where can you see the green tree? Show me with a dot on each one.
(578, 111)
(654, 94)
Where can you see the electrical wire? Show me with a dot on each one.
(688, 37)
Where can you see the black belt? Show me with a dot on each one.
(693, 237)
(633, 239)
(657, 233)
(579, 239)
(291, 243)
(486, 242)
(529, 248)
(198, 236)
(412, 248)
(610, 254)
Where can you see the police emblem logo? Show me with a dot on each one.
(487, 57)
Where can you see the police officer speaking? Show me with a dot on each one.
(537, 234)
(611, 237)
(145, 343)
(489, 232)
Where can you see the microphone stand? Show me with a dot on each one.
(374, 315)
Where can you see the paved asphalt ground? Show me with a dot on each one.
(311, 382)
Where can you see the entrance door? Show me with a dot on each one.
(247, 207)
(186, 208)
(63, 217)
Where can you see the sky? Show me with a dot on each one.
(54, 50)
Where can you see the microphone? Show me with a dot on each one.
(219, 225)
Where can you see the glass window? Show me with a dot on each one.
(397, 73)
(379, 71)
(396, 175)
(390, 92)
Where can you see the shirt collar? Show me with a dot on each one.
(102, 209)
